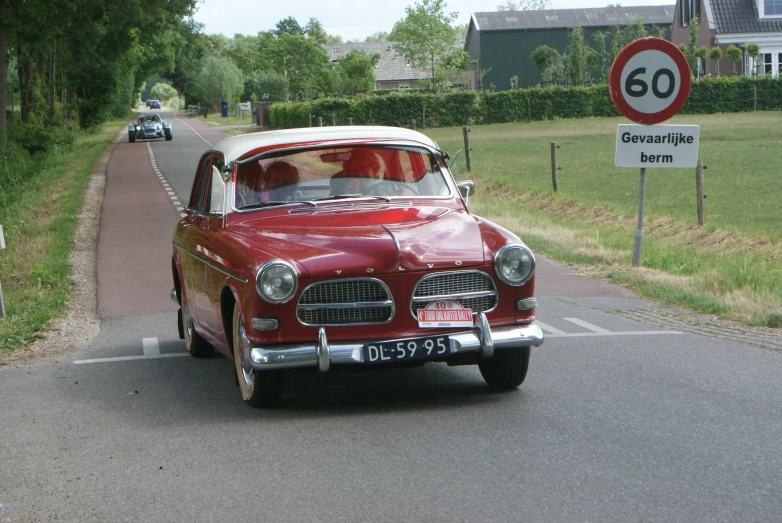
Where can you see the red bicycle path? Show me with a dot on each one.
(137, 224)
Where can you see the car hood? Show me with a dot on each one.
(363, 240)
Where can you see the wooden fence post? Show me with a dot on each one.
(412, 123)
(554, 166)
(333, 119)
(350, 121)
(310, 120)
(467, 148)
(529, 111)
(754, 97)
(320, 121)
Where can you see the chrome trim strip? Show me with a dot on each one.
(212, 265)
(478, 294)
(354, 305)
(315, 354)
(396, 242)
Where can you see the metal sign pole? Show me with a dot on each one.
(639, 232)
(2, 246)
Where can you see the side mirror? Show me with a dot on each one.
(466, 189)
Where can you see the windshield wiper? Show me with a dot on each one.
(271, 203)
(344, 196)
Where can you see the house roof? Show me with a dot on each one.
(741, 16)
(391, 67)
(563, 18)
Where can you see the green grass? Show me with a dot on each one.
(39, 215)
(730, 267)
(215, 120)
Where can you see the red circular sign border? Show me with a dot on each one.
(615, 79)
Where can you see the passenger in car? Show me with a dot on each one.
(249, 185)
(281, 180)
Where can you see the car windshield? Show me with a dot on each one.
(375, 173)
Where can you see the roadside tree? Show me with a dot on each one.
(356, 71)
(733, 54)
(715, 54)
(427, 39)
(218, 80)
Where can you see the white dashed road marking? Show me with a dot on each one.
(588, 326)
(165, 183)
(548, 328)
(151, 346)
(132, 358)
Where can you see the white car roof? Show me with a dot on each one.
(235, 147)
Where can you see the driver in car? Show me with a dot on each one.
(360, 170)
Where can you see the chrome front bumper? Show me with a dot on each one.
(481, 339)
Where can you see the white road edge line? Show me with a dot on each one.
(133, 358)
(608, 333)
(196, 132)
(151, 346)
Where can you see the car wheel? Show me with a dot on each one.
(195, 344)
(131, 138)
(259, 389)
(506, 369)
(169, 136)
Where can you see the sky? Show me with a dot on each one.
(350, 19)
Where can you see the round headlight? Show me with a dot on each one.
(276, 282)
(514, 264)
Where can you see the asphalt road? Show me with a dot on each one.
(617, 420)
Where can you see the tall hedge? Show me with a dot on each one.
(708, 95)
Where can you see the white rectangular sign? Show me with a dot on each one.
(657, 146)
(2, 240)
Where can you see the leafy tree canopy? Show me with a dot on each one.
(426, 36)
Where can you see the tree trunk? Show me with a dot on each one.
(23, 67)
(4, 18)
(51, 90)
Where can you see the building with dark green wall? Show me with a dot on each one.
(502, 41)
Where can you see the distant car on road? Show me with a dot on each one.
(153, 104)
(149, 126)
(346, 247)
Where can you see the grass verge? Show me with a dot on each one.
(39, 218)
(731, 267)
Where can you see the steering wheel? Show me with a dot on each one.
(389, 188)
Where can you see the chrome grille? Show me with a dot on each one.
(474, 290)
(345, 302)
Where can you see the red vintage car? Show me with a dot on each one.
(320, 248)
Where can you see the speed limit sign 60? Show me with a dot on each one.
(649, 80)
